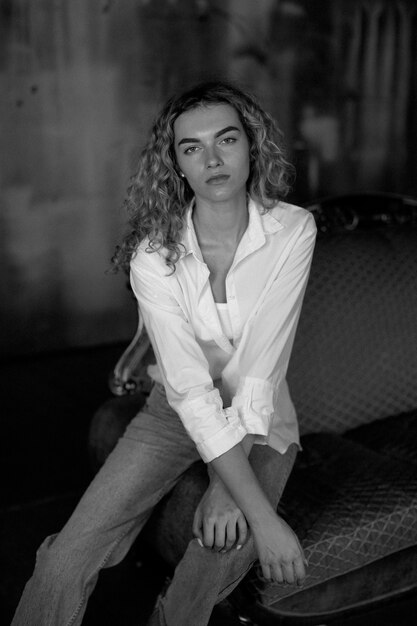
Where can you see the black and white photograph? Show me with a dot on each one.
(208, 312)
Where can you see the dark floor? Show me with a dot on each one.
(48, 402)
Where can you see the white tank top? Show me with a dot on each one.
(224, 316)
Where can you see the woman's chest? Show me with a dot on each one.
(219, 260)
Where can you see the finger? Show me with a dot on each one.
(266, 571)
(208, 533)
(242, 532)
(299, 570)
(197, 525)
(230, 534)
(303, 556)
(219, 536)
(277, 574)
(303, 559)
(288, 572)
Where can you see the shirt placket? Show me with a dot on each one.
(234, 311)
(249, 245)
(207, 308)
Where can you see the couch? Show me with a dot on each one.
(352, 496)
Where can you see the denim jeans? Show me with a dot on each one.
(146, 463)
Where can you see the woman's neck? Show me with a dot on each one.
(224, 221)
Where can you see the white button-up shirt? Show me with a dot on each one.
(225, 389)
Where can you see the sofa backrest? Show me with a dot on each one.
(355, 352)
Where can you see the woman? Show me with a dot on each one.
(219, 265)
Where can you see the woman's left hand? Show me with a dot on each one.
(219, 524)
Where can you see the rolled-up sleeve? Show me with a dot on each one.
(262, 357)
(182, 363)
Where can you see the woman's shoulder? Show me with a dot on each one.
(289, 214)
(292, 217)
(147, 258)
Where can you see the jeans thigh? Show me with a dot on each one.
(273, 469)
(145, 464)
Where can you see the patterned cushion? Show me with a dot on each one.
(349, 506)
(354, 358)
(394, 436)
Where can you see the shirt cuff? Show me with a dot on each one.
(213, 429)
(254, 402)
(225, 439)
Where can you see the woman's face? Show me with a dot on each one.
(212, 151)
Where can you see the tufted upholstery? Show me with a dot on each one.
(394, 437)
(354, 358)
(349, 507)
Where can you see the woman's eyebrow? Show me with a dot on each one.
(218, 134)
(226, 130)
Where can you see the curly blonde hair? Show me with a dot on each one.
(158, 197)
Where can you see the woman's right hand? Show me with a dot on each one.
(279, 551)
(218, 523)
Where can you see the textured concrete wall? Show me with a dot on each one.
(81, 80)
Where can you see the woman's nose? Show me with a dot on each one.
(213, 158)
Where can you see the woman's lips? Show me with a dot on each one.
(218, 180)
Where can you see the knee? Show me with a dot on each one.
(195, 550)
(55, 562)
(47, 561)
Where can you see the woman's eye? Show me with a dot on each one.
(229, 140)
(190, 150)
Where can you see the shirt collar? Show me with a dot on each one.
(260, 224)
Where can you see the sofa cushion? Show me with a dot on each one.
(354, 358)
(394, 436)
(349, 506)
(373, 585)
